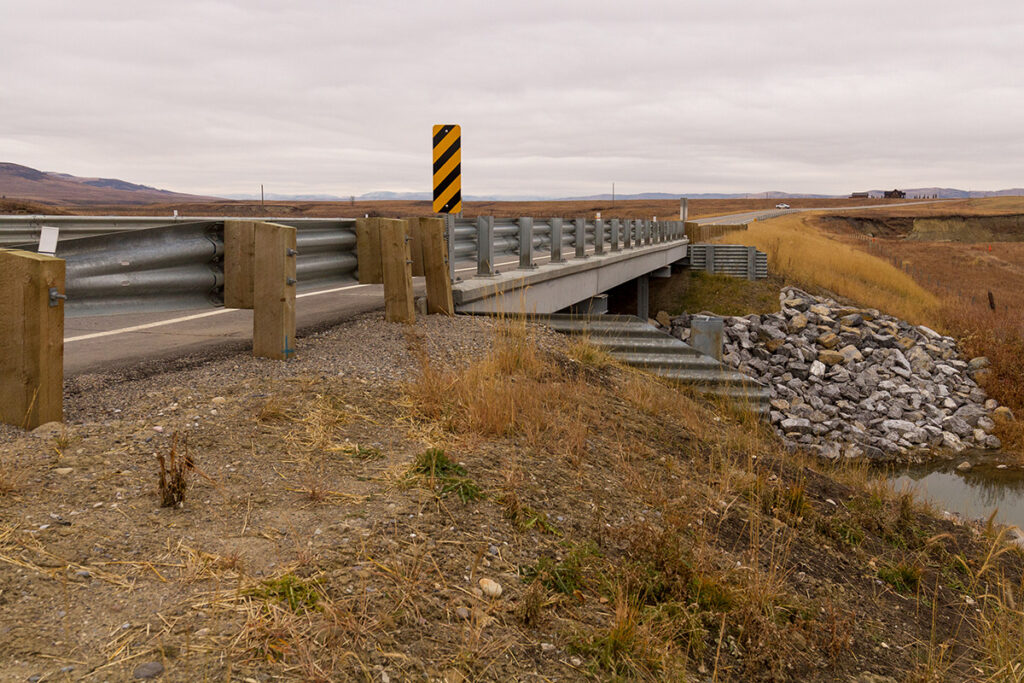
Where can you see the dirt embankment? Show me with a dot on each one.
(469, 501)
(1008, 228)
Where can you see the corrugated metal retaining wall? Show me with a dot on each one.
(737, 260)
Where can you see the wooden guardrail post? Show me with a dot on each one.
(31, 339)
(368, 250)
(396, 264)
(273, 320)
(435, 266)
(239, 261)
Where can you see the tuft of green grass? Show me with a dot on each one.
(902, 576)
(839, 530)
(563, 577)
(464, 488)
(434, 462)
(292, 591)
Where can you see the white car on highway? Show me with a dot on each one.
(782, 206)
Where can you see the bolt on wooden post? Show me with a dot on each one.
(274, 281)
(31, 339)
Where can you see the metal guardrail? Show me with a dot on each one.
(554, 239)
(117, 264)
(737, 260)
(130, 264)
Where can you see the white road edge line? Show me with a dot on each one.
(196, 316)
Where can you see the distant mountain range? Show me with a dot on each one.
(22, 182)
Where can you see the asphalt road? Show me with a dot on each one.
(115, 342)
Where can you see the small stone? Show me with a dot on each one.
(148, 670)
(905, 342)
(851, 320)
(965, 466)
(547, 647)
(576, 661)
(817, 369)
(462, 612)
(828, 340)
(63, 470)
(830, 358)
(218, 400)
(491, 589)
(851, 354)
(158, 429)
(952, 442)
(664, 319)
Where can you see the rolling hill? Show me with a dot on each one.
(22, 182)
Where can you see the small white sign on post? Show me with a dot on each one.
(48, 240)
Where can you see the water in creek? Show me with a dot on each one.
(990, 484)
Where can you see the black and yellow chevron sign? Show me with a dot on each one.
(447, 169)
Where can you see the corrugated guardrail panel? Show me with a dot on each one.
(117, 264)
(154, 269)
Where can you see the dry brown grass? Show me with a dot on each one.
(982, 206)
(799, 251)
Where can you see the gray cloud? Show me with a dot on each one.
(554, 97)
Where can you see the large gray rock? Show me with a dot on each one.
(795, 424)
(898, 426)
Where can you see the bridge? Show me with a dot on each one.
(141, 289)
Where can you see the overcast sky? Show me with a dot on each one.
(554, 98)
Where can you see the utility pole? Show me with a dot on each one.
(261, 198)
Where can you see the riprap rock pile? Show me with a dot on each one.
(852, 382)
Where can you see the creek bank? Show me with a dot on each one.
(849, 382)
(970, 490)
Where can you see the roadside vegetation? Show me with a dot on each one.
(529, 510)
(943, 285)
